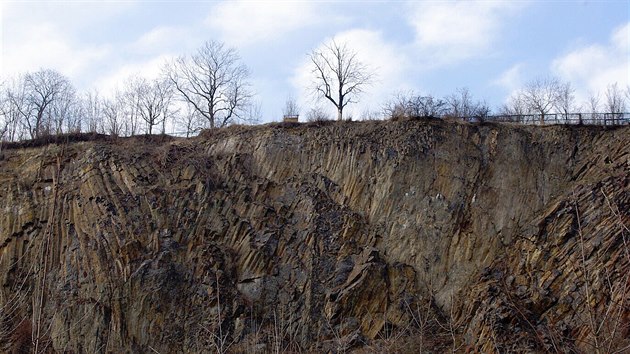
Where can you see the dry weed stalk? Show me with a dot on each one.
(605, 326)
(220, 340)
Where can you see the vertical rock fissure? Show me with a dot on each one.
(40, 302)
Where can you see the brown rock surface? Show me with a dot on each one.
(439, 235)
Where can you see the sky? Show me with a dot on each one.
(431, 47)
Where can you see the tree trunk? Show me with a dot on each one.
(211, 115)
(339, 113)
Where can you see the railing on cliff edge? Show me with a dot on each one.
(604, 119)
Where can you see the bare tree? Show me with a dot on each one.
(541, 95)
(170, 110)
(5, 116)
(93, 111)
(615, 102)
(462, 105)
(65, 113)
(411, 105)
(427, 106)
(75, 119)
(42, 88)
(317, 114)
(565, 100)
(593, 105)
(339, 75)
(16, 109)
(515, 106)
(129, 100)
(593, 102)
(291, 108)
(113, 113)
(213, 81)
(152, 101)
(398, 106)
(482, 110)
(253, 113)
(188, 122)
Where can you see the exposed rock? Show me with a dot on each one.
(341, 236)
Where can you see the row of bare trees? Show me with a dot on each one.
(550, 95)
(45, 102)
(459, 104)
(209, 88)
(340, 77)
(538, 98)
(36, 104)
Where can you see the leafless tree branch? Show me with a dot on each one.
(213, 82)
(339, 75)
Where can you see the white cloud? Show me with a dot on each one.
(593, 67)
(385, 60)
(511, 79)
(242, 23)
(160, 39)
(453, 31)
(54, 43)
(621, 38)
(48, 35)
(44, 46)
(71, 15)
(151, 68)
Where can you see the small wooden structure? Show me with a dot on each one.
(291, 118)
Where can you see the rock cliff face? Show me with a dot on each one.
(367, 236)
